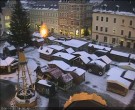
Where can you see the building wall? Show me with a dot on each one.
(1, 24)
(7, 10)
(74, 17)
(111, 31)
(49, 17)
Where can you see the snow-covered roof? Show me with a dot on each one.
(105, 51)
(44, 82)
(61, 64)
(119, 80)
(115, 12)
(36, 34)
(7, 61)
(45, 50)
(105, 59)
(11, 47)
(85, 59)
(67, 77)
(115, 71)
(40, 40)
(99, 47)
(56, 47)
(70, 50)
(127, 65)
(76, 70)
(66, 56)
(85, 54)
(119, 53)
(6, 44)
(132, 56)
(51, 38)
(98, 62)
(130, 75)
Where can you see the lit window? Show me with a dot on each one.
(7, 25)
(7, 17)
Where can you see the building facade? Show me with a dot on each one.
(1, 24)
(114, 26)
(7, 10)
(74, 17)
(44, 12)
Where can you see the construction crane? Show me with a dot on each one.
(25, 95)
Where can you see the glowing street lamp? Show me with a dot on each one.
(44, 30)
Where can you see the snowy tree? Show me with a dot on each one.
(19, 26)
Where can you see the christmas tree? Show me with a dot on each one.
(19, 26)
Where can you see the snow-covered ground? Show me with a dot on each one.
(96, 82)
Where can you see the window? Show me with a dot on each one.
(106, 19)
(101, 29)
(122, 32)
(105, 39)
(130, 22)
(113, 31)
(113, 40)
(97, 28)
(134, 46)
(114, 20)
(123, 21)
(101, 18)
(128, 44)
(106, 29)
(7, 17)
(97, 18)
(96, 37)
(129, 34)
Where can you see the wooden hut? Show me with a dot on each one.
(39, 42)
(100, 53)
(9, 51)
(45, 88)
(65, 81)
(97, 67)
(78, 74)
(132, 58)
(8, 65)
(46, 53)
(68, 50)
(57, 48)
(118, 56)
(66, 57)
(130, 76)
(50, 40)
(106, 60)
(118, 85)
(85, 101)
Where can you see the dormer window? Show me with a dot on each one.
(117, 7)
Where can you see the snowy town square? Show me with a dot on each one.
(67, 54)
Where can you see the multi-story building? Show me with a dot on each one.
(114, 23)
(44, 12)
(7, 10)
(74, 17)
(1, 24)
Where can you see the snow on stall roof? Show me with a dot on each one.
(67, 77)
(66, 56)
(9, 60)
(45, 50)
(127, 65)
(36, 34)
(70, 50)
(6, 44)
(119, 80)
(115, 71)
(60, 41)
(99, 47)
(105, 59)
(130, 75)
(56, 47)
(98, 62)
(83, 53)
(3, 62)
(119, 53)
(105, 51)
(74, 43)
(44, 82)
(60, 64)
(51, 38)
(76, 70)
(132, 56)
(40, 40)
(11, 47)
(85, 59)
